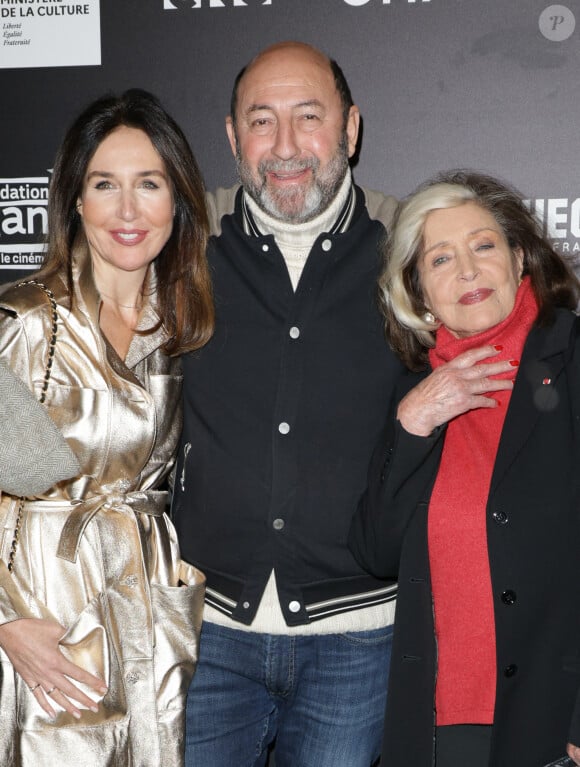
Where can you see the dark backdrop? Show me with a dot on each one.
(440, 83)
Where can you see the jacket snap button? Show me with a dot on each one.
(500, 517)
(510, 670)
(509, 597)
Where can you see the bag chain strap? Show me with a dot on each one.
(42, 398)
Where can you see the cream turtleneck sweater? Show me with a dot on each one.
(295, 241)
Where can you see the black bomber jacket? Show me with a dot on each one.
(282, 409)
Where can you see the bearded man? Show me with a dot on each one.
(282, 410)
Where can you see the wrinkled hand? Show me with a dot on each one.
(453, 389)
(573, 752)
(32, 647)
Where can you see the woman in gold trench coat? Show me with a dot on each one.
(99, 616)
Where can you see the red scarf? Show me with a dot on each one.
(460, 575)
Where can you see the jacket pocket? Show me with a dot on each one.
(86, 644)
(177, 615)
(107, 745)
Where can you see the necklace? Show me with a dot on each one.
(138, 306)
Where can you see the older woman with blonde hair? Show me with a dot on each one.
(472, 497)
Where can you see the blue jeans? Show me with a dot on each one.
(321, 697)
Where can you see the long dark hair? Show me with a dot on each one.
(184, 298)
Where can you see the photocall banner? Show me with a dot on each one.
(49, 33)
(486, 84)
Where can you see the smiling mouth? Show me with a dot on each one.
(475, 296)
(288, 176)
(133, 237)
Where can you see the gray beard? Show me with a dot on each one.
(296, 205)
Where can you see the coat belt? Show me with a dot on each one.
(152, 502)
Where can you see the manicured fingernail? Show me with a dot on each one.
(498, 348)
(95, 709)
(514, 363)
(76, 714)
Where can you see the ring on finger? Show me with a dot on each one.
(52, 689)
(34, 687)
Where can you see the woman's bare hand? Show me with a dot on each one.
(453, 389)
(32, 645)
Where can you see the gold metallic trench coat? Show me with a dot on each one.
(97, 553)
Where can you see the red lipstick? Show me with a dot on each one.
(475, 296)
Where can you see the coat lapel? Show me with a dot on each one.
(535, 390)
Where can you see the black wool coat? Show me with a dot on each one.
(533, 537)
